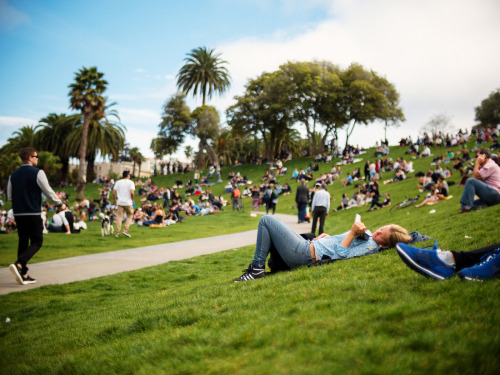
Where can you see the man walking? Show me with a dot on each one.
(24, 189)
(485, 183)
(319, 208)
(123, 195)
(302, 199)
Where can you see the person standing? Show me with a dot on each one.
(24, 189)
(302, 199)
(319, 208)
(123, 194)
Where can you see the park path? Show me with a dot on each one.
(86, 267)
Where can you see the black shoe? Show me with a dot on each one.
(16, 271)
(251, 273)
(28, 280)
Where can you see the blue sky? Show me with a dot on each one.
(441, 55)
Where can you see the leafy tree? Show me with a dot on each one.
(203, 72)
(206, 129)
(263, 111)
(52, 135)
(86, 95)
(367, 97)
(175, 123)
(488, 113)
(314, 89)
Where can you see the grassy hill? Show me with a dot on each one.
(369, 315)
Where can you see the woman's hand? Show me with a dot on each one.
(322, 235)
(358, 228)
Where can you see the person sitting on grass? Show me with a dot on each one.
(158, 217)
(485, 183)
(297, 251)
(473, 265)
(438, 193)
(376, 204)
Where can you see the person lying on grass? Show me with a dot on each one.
(297, 251)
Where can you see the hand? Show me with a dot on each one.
(322, 235)
(481, 159)
(358, 228)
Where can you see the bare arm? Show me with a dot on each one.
(357, 228)
(480, 160)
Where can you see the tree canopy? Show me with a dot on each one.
(488, 113)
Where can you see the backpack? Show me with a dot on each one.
(236, 193)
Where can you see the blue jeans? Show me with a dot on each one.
(290, 245)
(487, 195)
(302, 211)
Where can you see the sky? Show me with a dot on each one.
(442, 56)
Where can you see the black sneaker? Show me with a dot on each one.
(16, 271)
(28, 280)
(251, 273)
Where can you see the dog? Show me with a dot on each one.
(106, 226)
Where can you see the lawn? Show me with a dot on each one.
(366, 315)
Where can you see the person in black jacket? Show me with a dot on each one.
(24, 189)
(302, 199)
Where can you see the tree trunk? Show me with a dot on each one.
(133, 169)
(139, 173)
(80, 186)
(90, 168)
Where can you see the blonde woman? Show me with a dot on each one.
(297, 251)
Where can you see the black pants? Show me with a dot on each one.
(319, 213)
(30, 232)
(465, 259)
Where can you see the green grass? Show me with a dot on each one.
(369, 315)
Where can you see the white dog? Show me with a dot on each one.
(106, 227)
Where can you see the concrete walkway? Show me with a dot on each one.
(86, 267)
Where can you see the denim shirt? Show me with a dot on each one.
(331, 247)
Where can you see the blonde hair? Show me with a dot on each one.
(397, 234)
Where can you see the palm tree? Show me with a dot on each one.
(135, 155)
(104, 136)
(86, 95)
(203, 71)
(52, 136)
(49, 162)
(24, 137)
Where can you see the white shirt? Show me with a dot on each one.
(59, 219)
(321, 199)
(122, 188)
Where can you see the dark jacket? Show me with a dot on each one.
(302, 194)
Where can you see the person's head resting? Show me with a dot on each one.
(28, 155)
(390, 235)
(126, 174)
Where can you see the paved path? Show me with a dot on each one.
(86, 267)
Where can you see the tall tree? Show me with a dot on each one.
(136, 157)
(488, 113)
(176, 122)
(106, 137)
(206, 128)
(365, 98)
(52, 135)
(203, 72)
(263, 111)
(86, 95)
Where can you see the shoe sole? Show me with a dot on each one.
(127, 235)
(415, 267)
(29, 282)
(16, 274)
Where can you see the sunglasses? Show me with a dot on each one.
(34, 156)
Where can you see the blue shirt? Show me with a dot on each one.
(331, 246)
